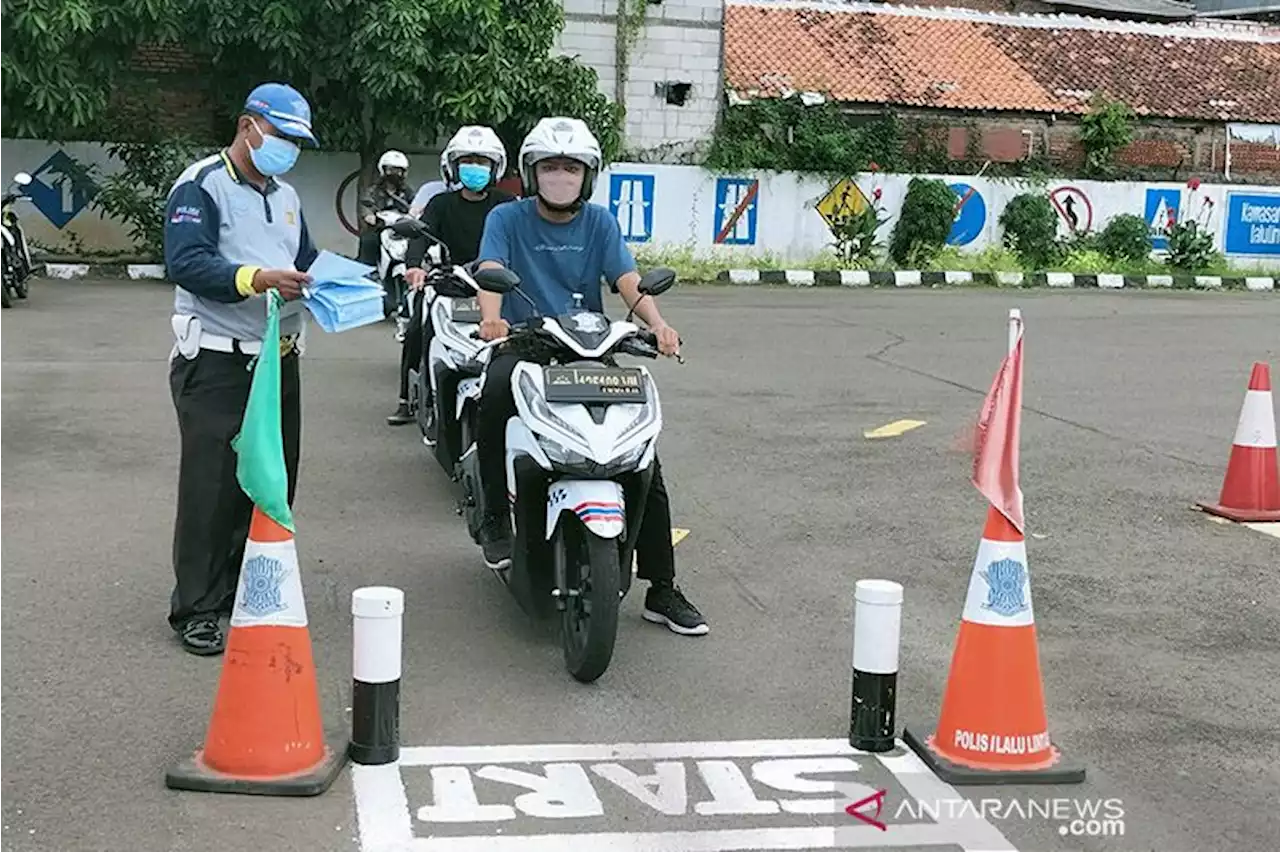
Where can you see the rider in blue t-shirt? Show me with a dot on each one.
(560, 244)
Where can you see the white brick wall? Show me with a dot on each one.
(679, 43)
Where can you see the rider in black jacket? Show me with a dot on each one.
(476, 159)
(390, 192)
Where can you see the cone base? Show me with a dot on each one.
(194, 774)
(1241, 516)
(958, 775)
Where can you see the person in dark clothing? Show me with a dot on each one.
(390, 192)
(474, 158)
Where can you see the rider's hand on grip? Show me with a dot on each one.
(668, 340)
(493, 329)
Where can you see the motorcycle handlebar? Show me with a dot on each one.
(644, 344)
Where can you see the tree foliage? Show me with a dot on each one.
(62, 60)
(371, 68)
(416, 68)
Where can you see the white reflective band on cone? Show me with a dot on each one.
(1000, 586)
(269, 592)
(877, 626)
(377, 634)
(1257, 426)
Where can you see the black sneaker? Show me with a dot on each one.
(495, 542)
(668, 605)
(202, 636)
(401, 417)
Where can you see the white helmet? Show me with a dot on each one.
(560, 137)
(473, 140)
(392, 160)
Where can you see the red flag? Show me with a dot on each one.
(995, 460)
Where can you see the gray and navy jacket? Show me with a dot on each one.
(219, 229)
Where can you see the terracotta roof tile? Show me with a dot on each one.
(953, 59)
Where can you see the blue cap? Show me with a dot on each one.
(283, 106)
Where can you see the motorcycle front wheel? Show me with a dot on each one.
(589, 623)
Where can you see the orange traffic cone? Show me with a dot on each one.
(993, 728)
(1251, 487)
(266, 735)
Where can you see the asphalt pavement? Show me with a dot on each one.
(1159, 632)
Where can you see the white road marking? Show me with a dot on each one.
(556, 752)
(562, 789)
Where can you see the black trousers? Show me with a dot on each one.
(416, 340)
(209, 395)
(655, 555)
(370, 247)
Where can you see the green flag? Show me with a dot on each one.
(260, 467)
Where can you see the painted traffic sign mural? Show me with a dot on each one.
(60, 190)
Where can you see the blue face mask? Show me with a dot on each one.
(276, 156)
(473, 176)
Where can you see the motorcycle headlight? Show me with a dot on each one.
(543, 412)
(648, 414)
(630, 457)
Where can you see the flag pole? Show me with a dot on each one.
(1015, 320)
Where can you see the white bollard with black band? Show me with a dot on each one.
(877, 628)
(376, 613)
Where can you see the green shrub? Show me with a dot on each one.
(1191, 247)
(1126, 238)
(138, 194)
(1031, 228)
(927, 214)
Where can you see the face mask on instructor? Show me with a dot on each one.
(275, 156)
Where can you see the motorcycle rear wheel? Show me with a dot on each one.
(589, 623)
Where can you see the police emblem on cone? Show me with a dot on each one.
(266, 734)
(1251, 486)
(993, 727)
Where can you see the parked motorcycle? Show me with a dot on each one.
(444, 387)
(579, 462)
(17, 266)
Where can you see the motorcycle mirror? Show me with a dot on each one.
(496, 280)
(22, 178)
(657, 281)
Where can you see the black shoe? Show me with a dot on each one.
(668, 605)
(495, 542)
(401, 417)
(202, 636)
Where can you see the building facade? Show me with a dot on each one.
(662, 59)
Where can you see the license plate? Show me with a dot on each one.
(593, 384)
(466, 310)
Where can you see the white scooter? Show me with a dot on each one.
(391, 268)
(448, 377)
(579, 461)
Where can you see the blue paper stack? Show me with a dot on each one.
(340, 297)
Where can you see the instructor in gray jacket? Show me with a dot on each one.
(233, 230)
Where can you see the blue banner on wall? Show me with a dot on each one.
(631, 201)
(1253, 223)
